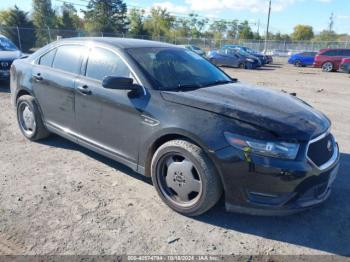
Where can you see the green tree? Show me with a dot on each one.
(196, 24)
(18, 27)
(136, 22)
(302, 32)
(280, 37)
(159, 22)
(44, 18)
(219, 26)
(108, 16)
(326, 35)
(245, 31)
(232, 29)
(69, 18)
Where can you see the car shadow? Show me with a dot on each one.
(4, 87)
(265, 69)
(57, 141)
(273, 65)
(325, 228)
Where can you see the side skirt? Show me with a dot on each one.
(72, 136)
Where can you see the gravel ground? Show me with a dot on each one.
(59, 198)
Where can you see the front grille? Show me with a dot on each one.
(321, 151)
(5, 65)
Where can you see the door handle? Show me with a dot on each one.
(38, 77)
(84, 90)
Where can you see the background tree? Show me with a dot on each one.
(196, 24)
(44, 17)
(14, 18)
(326, 35)
(69, 18)
(232, 29)
(136, 22)
(159, 22)
(109, 16)
(302, 32)
(245, 31)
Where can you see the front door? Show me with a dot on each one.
(108, 118)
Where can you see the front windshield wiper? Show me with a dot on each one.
(182, 87)
(220, 82)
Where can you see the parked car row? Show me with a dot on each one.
(234, 56)
(328, 59)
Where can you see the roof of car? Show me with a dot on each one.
(122, 43)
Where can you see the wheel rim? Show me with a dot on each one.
(26, 119)
(328, 67)
(179, 180)
(298, 64)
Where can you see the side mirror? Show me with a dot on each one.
(120, 83)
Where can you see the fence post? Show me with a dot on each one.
(19, 38)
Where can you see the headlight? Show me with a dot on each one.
(250, 60)
(260, 147)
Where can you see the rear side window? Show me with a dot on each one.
(68, 58)
(331, 53)
(47, 59)
(345, 52)
(102, 63)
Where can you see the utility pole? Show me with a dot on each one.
(267, 27)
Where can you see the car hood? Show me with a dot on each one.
(283, 115)
(10, 55)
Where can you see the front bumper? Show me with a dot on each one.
(268, 186)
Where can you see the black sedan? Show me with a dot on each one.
(168, 113)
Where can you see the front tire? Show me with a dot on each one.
(29, 119)
(298, 63)
(185, 178)
(327, 67)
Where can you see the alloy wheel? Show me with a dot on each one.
(179, 180)
(327, 67)
(26, 119)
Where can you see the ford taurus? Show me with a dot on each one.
(170, 114)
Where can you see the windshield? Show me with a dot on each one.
(176, 68)
(7, 45)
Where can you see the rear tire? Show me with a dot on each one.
(298, 63)
(242, 66)
(185, 178)
(29, 119)
(328, 67)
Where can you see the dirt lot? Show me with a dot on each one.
(59, 198)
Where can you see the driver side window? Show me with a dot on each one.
(102, 63)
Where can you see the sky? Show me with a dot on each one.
(285, 14)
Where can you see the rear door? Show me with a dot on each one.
(106, 118)
(53, 84)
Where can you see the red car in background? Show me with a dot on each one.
(329, 59)
(345, 65)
